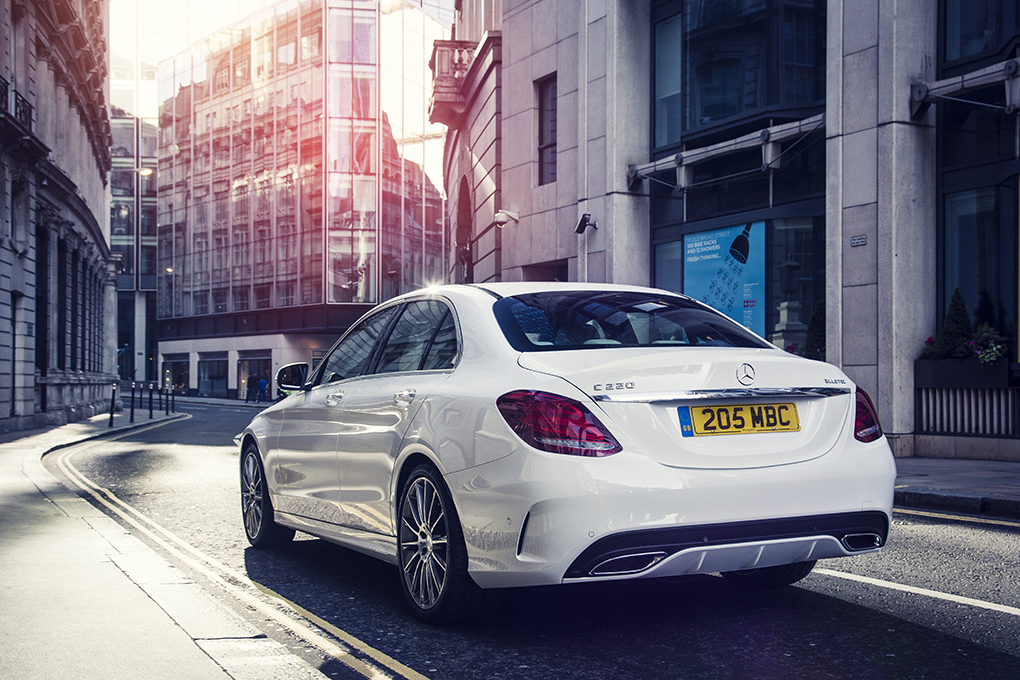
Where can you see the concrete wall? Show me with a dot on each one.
(603, 124)
(881, 184)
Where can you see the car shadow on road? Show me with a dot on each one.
(675, 627)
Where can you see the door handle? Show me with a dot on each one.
(404, 397)
(335, 398)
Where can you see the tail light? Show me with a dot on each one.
(556, 424)
(866, 427)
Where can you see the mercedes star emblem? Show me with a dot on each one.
(745, 374)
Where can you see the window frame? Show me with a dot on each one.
(546, 93)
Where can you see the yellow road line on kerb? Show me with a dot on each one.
(957, 518)
(201, 562)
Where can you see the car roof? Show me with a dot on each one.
(505, 289)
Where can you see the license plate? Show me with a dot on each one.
(696, 421)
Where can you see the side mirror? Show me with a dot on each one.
(291, 377)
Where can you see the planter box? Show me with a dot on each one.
(960, 373)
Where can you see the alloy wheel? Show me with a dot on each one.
(424, 542)
(252, 489)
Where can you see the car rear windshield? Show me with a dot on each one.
(561, 320)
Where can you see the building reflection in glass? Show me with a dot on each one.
(297, 166)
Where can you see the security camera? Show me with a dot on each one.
(502, 217)
(584, 223)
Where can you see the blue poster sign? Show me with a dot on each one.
(725, 268)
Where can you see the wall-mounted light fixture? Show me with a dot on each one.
(585, 222)
(502, 217)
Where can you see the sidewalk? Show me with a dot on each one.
(81, 597)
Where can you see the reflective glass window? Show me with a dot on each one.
(411, 336)
(350, 357)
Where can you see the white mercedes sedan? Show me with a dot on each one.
(500, 435)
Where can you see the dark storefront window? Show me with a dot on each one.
(768, 275)
(729, 184)
(975, 133)
(212, 376)
(979, 254)
(176, 373)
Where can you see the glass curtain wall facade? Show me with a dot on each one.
(979, 169)
(296, 164)
(741, 234)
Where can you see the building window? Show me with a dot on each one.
(972, 27)
(745, 60)
(547, 130)
(979, 254)
(668, 81)
(263, 296)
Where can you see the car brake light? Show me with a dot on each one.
(556, 424)
(866, 427)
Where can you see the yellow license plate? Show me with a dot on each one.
(696, 421)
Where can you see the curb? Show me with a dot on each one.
(966, 504)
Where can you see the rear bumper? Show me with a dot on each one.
(729, 547)
(533, 518)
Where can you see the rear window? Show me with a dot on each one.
(561, 320)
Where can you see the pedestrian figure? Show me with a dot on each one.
(263, 385)
(249, 391)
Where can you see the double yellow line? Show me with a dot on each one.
(346, 648)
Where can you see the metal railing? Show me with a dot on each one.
(967, 411)
(5, 95)
(22, 111)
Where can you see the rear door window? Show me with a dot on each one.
(412, 336)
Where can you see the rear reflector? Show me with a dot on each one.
(866, 427)
(556, 424)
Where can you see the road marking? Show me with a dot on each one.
(921, 591)
(198, 561)
(958, 518)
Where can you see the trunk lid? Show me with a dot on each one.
(648, 395)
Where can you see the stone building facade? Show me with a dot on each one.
(863, 155)
(57, 277)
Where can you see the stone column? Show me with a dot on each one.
(880, 201)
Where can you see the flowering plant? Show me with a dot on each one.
(988, 346)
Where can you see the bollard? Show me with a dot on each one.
(132, 402)
(173, 401)
(167, 400)
(150, 401)
(159, 397)
(113, 403)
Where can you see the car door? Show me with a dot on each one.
(418, 355)
(308, 476)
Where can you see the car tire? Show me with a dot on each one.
(256, 507)
(432, 554)
(767, 578)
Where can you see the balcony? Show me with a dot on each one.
(16, 124)
(450, 62)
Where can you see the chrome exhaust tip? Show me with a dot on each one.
(627, 564)
(858, 542)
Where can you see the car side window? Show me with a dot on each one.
(411, 335)
(443, 352)
(349, 358)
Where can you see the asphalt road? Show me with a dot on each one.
(942, 601)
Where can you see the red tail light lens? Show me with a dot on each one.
(866, 427)
(556, 424)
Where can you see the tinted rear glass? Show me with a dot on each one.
(560, 320)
